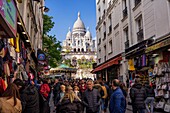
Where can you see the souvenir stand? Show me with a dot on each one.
(161, 75)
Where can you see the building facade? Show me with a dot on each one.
(79, 49)
(130, 29)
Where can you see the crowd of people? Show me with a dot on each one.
(75, 96)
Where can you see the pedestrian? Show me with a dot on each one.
(10, 100)
(117, 99)
(150, 98)
(56, 89)
(29, 96)
(124, 89)
(70, 103)
(76, 91)
(138, 96)
(45, 89)
(92, 98)
(60, 94)
(104, 97)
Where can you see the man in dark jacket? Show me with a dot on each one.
(117, 99)
(56, 90)
(92, 98)
(138, 96)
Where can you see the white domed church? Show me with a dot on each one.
(79, 49)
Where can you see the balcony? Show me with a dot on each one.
(104, 35)
(140, 35)
(125, 13)
(127, 44)
(137, 2)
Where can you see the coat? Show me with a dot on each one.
(30, 100)
(6, 105)
(117, 102)
(92, 99)
(65, 106)
(138, 96)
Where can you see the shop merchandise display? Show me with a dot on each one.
(161, 73)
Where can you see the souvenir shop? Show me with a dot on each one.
(160, 75)
(8, 29)
(138, 63)
(17, 59)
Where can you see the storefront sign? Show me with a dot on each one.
(41, 57)
(9, 14)
(158, 45)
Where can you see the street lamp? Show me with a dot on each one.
(46, 9)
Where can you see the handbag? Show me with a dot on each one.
(160, 93)
(160, 104)
(166, 95)
(167, 107)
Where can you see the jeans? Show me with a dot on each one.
(149, 101)
(103, 104)
(141, 110)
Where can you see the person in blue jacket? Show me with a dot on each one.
(117, 99)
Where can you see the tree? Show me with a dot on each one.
(51, 46)
(48, 24)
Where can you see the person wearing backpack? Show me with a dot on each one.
(138, 96)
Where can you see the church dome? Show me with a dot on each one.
(68, 34)
(79, 23)
(88, 34)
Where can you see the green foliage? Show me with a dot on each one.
(51, 46)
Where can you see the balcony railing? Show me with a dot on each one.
(127, 44)
(140, 35)
(137, 2)
(125, 13)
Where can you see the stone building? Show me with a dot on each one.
(79, 49)
(130, 33)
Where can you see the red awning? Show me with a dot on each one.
(107, 64)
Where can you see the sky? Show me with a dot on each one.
(65, 13)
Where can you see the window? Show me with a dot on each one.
(110, 46)
(104, 52)
(78, 49)
(125, 13)
(139, 29)
(74, 49)
(110, 23)
(126, 38)
(104, 29)
(99, 53)
(99, 60)
(78, 42)
(82, 50)
(99, 41)
(137, 2)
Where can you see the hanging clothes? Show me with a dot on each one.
(17, 44)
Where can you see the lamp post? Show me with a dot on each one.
(46, 9)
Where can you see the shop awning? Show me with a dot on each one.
(107, 64)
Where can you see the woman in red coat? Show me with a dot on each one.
(45, 89)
